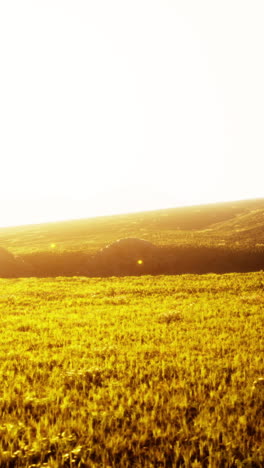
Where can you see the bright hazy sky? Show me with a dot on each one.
(117, 106)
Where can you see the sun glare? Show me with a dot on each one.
(155, 120)
(140, 262)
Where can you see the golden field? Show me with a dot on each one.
(149, 371)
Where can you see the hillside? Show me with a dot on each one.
(164, 227)
(193, 239)
(245, 226)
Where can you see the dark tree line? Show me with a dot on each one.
(164, 260)
(167, 260)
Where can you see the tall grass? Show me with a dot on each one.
(140, 371)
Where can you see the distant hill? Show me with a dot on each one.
(247, 225)
(218, 230)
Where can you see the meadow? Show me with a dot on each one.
(148, 371)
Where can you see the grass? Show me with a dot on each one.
(232, 224)
(134, 371)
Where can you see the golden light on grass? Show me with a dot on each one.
(165, 324)
(140, 262)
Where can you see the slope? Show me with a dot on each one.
(207, 225)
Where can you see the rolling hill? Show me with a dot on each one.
(190, 236)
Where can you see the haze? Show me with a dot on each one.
(113, 107)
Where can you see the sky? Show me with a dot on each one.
(119, 106)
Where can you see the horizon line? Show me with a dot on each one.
(124, 213)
